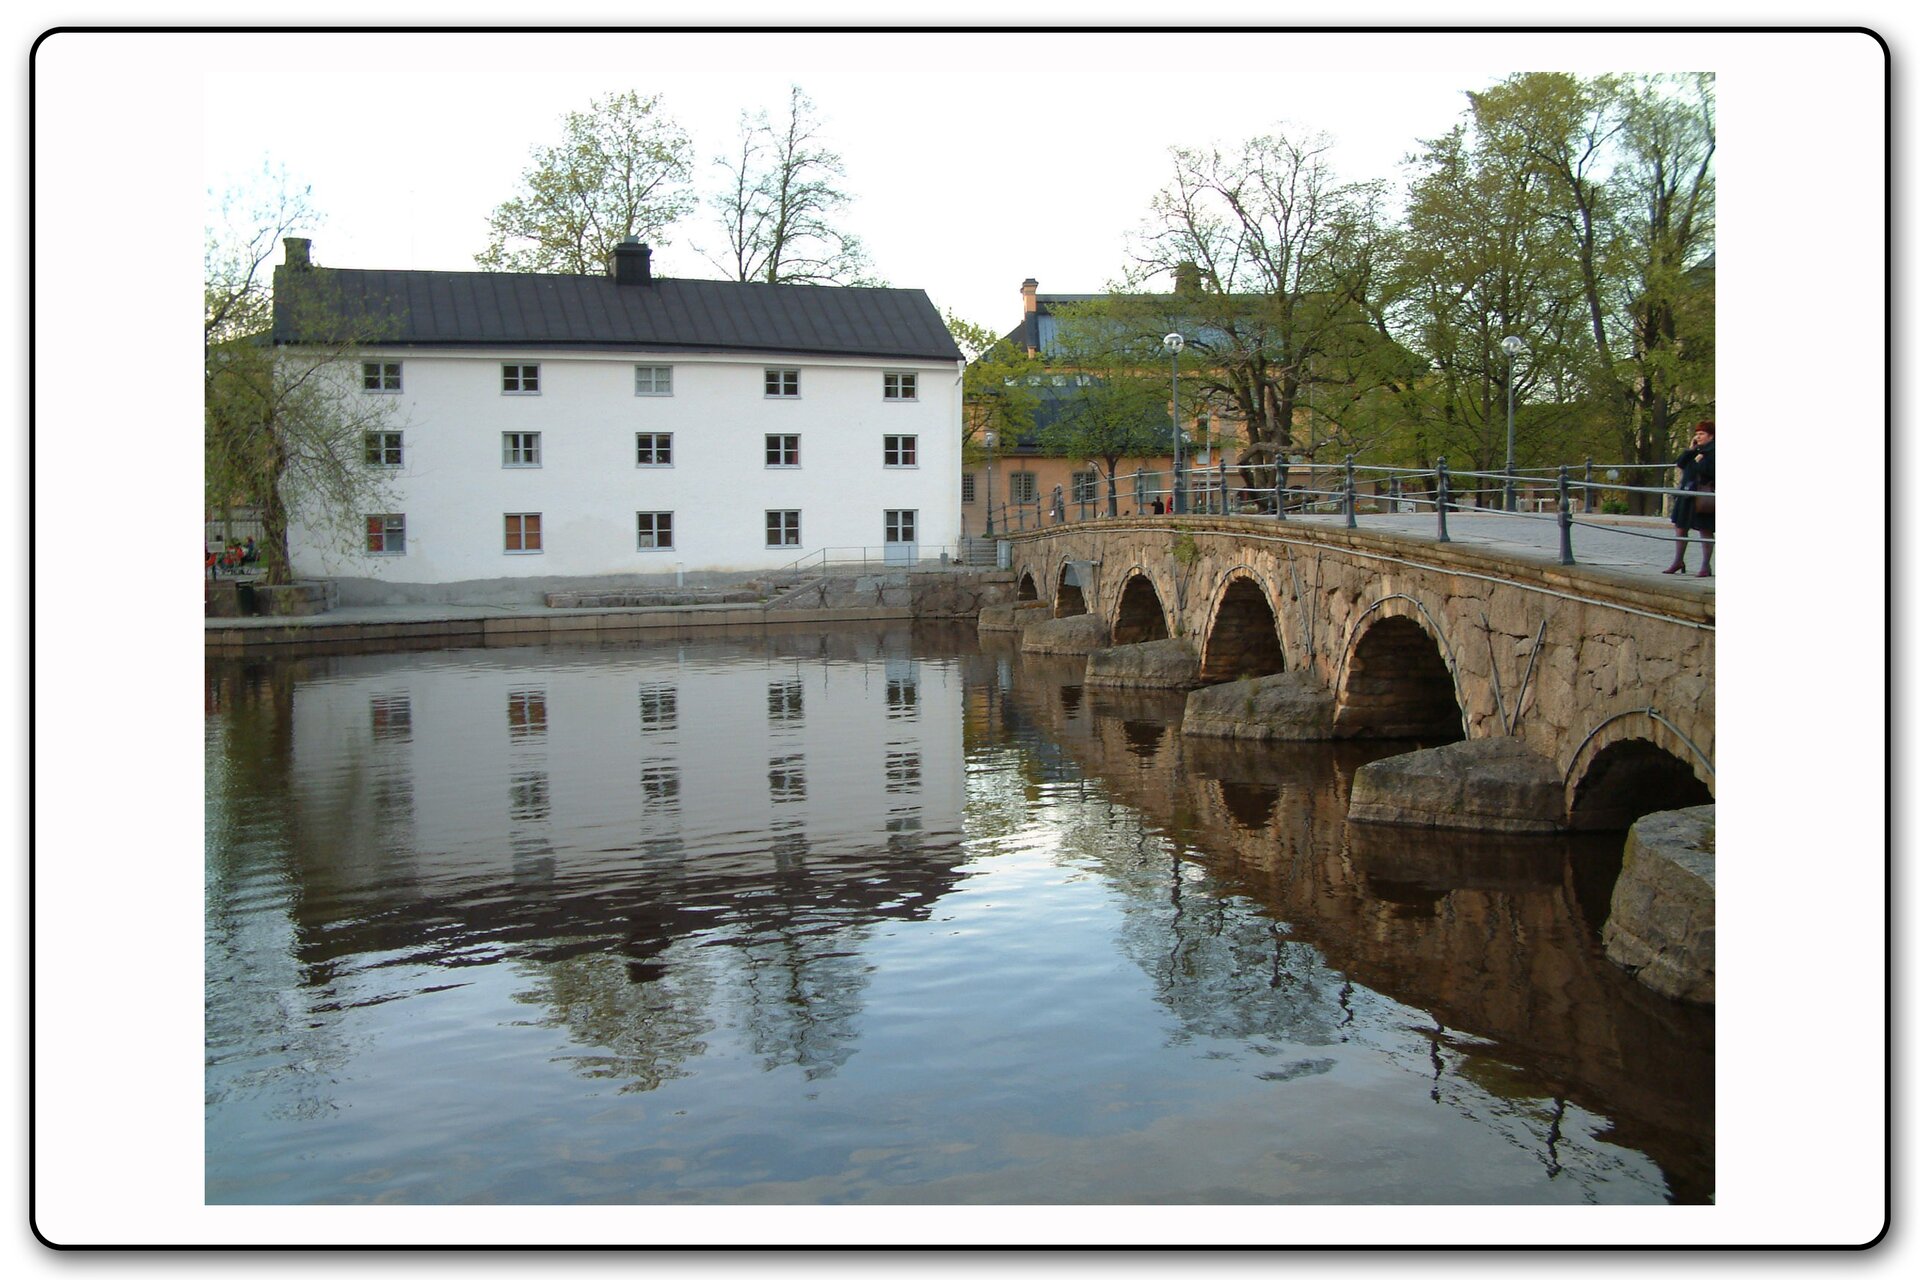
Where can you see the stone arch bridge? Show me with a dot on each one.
(1605, 677)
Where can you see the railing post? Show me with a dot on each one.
(1509, 491)
(1566, 520)
(1440, 495)
(1393, 493)
(1223, 485)
(1351, 523)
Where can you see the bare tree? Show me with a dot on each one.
(781, 203)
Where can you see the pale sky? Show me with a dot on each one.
(975, 160)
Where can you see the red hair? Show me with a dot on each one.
(1706, 426)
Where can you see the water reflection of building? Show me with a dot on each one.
(1495, 938)
(663, 835)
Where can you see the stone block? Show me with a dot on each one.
(1017, 616)
(1485, 784)
(1082, 633)
(1661, 927)
(1292, 706)
(1154, 664)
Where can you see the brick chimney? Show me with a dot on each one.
(632, 262)
(1030, 295)
(299, 252)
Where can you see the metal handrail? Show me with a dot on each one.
(1433, 488)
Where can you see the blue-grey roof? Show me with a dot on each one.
(488, 308)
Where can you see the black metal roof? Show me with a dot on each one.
(489, 308)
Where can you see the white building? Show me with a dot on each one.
(557, 431)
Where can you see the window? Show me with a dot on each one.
(783, 528)
(902, 451)
(1022, 487)
(527, 714)
(899, 386)
(523, 531)
(903, 698)
(903, 771)
(383, 448)
(1140, 494)
(787, 778)
(392, 717)
(377, 375)
(786, 702)
(966, 488)
(653, 448)
(520, 379)
(656, 530)
(1083, 486)
(783, 451)
(653, 379)
(783, 384)
(659, 707)
(387, 535)
(520, 448)
(900, 525)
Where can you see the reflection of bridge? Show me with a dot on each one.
(1607, 673)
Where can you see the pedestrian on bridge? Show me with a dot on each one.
(1694, 508)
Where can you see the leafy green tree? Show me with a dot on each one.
(1117, 413)
(995, 393)
(621, 168)
(285, 426)
(1628, 167)
(781, 204)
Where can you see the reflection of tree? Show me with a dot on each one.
(641, 1033)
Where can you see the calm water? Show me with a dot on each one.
(882, 916)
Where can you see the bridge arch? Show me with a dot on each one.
(1633, 763)
(1243, 632)
(1397, 677)
(1068, 599)
(1141, 614)
(1026, 590)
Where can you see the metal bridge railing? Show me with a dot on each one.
(1562, 494)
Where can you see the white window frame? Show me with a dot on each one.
(513, 443)
(660, 521)
(901, 453)
(515, 383)
(388, 441)
(656, 437)
(789, 524)
(899, 387)
(782, 384)
(782, 450)
(904, 520)
(657, 374)
(374, 375)
(539, 532)
(390, 521)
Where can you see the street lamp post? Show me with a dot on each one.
(1173, 342)
(990, 442)
(1513, 347)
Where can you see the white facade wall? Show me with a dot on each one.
(455, 490)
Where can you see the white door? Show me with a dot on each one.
(902, 544)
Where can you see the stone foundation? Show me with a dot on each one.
(1487, 784)
(1290, 707)
(1017, 615)
(1082, 634)
(1661, 926)
(1153, 664)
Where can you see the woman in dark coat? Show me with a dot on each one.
(1694, 509)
